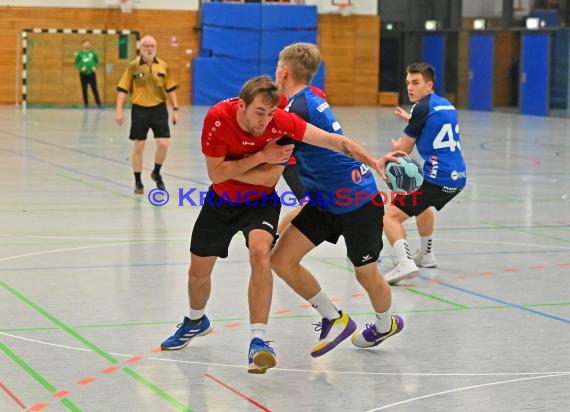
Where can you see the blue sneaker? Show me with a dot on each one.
(261, 356)
(333, 332)
(186, 332)
(369, 336)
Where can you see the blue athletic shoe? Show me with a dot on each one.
(261, 356)
(186, 332)
(333, 332)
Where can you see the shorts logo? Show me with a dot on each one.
(266, 223)
(366, 258)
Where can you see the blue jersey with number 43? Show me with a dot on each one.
(434, 126)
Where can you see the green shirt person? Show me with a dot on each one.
(86, 62)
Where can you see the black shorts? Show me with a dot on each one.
(291, 176)
(145, 118)
(218, 222)
(361, 228)
(427, 195)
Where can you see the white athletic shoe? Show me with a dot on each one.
(426, 260)
(406, 269)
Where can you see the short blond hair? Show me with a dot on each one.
(303, 61)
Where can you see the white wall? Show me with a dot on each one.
(482, 8)
(369, 7)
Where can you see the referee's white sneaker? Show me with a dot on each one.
(406, 269)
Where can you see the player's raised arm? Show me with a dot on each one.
(347, 146)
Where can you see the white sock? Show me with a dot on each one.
(383, 321)
(196, 314)
(402, 250)
(426, 245)
(258, 330)
(324, 306)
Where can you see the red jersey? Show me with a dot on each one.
(222, 137)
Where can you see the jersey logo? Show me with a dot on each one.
(356, 176)
(321, 108)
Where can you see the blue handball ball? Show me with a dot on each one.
(406, 176)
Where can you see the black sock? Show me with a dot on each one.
(138, 178)
(156, 170)
(196, 321)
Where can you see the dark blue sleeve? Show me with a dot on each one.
(420, 113)
(300, 108)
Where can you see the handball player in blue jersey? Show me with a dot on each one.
(332, 181)
(244, 160)
(433, 129)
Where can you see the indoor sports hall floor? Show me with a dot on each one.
(93, 278)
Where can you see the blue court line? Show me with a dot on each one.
(85, 153)
(502, 302)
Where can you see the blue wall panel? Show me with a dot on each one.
(481, 52)
(245, 16)
(434, 54)
(230, 42)
(240, 41)
(535, 73)
(284, 16)
(272, 41)
(217, 78)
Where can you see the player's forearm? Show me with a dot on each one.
(265, 175)
(355, 151)
(231, 169)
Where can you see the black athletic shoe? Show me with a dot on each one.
(158, 179)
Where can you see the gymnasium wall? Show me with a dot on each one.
(163, 25)
(350, 46)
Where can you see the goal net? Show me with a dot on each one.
(48, 73)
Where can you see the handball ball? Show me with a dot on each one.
(406, 176)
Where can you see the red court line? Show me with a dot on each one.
(12, 396)
(61, 394)
(38, 407)
(359, 295)
(86, 381)
(241, 395)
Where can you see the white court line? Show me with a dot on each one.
(465, 388)
(47, 252)
(227, 365)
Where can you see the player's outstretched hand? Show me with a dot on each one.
(402, 114)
